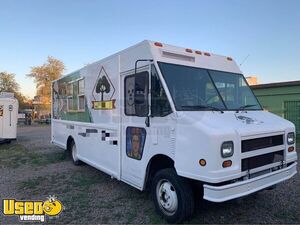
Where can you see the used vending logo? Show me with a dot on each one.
(32, 210)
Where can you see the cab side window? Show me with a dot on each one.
(160, 105)
(136, 94)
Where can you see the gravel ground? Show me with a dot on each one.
(32, 168)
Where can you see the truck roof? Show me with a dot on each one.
(192, 57)
(175, 55)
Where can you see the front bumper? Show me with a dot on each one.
(242, 188)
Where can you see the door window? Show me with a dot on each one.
(136, 94)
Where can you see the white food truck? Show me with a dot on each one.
(172, 119)
(9, 106)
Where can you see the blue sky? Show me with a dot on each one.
(83, 31)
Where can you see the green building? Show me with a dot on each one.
(282, 99)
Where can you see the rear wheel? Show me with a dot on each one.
(173, 196)
(74, 157)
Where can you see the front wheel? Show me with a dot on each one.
(173, 196)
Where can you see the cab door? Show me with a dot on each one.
(136, 135)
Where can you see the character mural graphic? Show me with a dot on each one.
(129, 96)
(135, 141)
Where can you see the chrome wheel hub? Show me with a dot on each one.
(167, 197)
(74, 152)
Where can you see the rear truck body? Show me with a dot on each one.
(165, 117)
(8, 116)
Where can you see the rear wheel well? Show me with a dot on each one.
(157, 162)
(69, 143)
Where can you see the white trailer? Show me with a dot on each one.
(166, 117)
(8, 116)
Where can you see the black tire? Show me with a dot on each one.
(179, 186)
(73, 154)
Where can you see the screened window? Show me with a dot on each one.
(136, 94)
(81, 103)
(81, 87)
(70, 103)
(70, 89)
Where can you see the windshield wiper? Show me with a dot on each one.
(202, 107)
(244, 107)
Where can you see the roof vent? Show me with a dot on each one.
(178, 56)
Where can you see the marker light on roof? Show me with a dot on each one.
(206, 53)
(189, 50)
(158, 44)
(198, 52)
(229, 58)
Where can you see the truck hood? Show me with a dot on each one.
(246, 123)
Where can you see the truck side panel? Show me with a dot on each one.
(84, 108)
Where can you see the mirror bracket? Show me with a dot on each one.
(147, 121)
(141, 60)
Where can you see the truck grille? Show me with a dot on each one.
(264, 142)
(261, 160)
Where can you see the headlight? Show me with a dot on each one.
(227, 149)
(291, 138)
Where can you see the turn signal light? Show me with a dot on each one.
(189, 50)
(227, 163)
(290, 149)
(158, 44)
(202, 162)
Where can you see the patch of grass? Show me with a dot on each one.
(131, 215)
(287, 216)
(33, 183)
(42, 185)
(85, 180)
(15, 155)
(61, 184)
(48, 158)
(12, 156)
(77, 203)
(117, 215)
(153, 216)
(156, 219)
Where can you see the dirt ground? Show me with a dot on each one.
(32, 169)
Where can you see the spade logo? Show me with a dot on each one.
(102, 86)
(104, 89)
